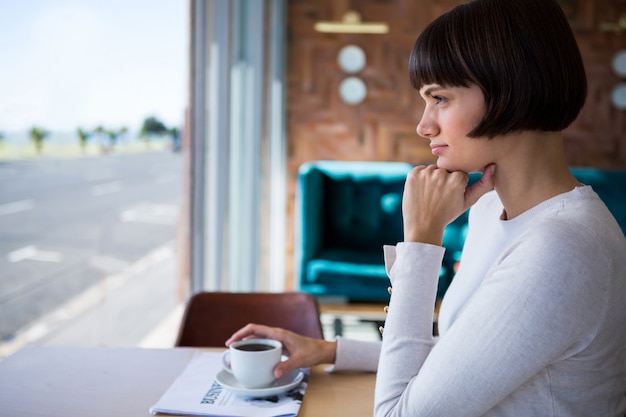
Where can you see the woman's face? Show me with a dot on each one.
(450, 114)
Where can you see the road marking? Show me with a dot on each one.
(164, 335)
(31, 253)
(164, 214)
(106, 188)
(16, 207)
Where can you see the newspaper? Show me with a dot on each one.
(196, 393)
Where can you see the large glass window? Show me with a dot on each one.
(91, 170)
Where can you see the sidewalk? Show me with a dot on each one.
(138, 307)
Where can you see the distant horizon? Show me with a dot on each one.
(135, 128)
(19, 138)
(83, 63)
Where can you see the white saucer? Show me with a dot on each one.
(281, 385)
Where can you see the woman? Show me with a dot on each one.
(533, 323)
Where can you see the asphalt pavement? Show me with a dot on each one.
(88, 249)
(140, 306)
(67, 225)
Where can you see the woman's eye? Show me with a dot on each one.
(438, 99)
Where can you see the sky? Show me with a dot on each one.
(66, 64)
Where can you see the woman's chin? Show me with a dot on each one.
(450, 167)
(443, 164)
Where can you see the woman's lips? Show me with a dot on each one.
(436, 149)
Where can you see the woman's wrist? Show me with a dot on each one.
(330, 351)
(433, 236)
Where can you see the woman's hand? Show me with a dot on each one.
(303, 351)
(434, 197)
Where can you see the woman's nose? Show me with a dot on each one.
(426, 127)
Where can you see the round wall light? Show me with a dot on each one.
(351, 59)
(619, 63)
(352, 90)
(618, 96)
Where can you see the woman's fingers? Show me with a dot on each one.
(432, 198)
(252, 331)
(480, 187)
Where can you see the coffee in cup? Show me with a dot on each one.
(252, 361)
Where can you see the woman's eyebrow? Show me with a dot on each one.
(432, 89)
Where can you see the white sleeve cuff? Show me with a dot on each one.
(356, 355)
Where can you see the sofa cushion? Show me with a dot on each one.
(351, 215)
(361, 213)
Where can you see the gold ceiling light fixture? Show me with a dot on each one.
(351, 23)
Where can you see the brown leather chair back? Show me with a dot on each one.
(210, 318)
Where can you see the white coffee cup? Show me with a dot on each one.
(252, 361)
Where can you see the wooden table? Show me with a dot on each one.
(126, 382)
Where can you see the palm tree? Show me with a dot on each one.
(83, 137)
(37, 135)
(151, 127)
(114, 135)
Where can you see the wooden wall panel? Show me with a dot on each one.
(597, 137)
(321, 126)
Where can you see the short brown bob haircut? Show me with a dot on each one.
(521, 53)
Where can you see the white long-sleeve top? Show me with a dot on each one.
(534, 323)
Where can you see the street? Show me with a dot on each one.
(67, 224)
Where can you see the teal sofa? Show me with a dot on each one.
(346, 212)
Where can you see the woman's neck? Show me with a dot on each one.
(531, 168)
